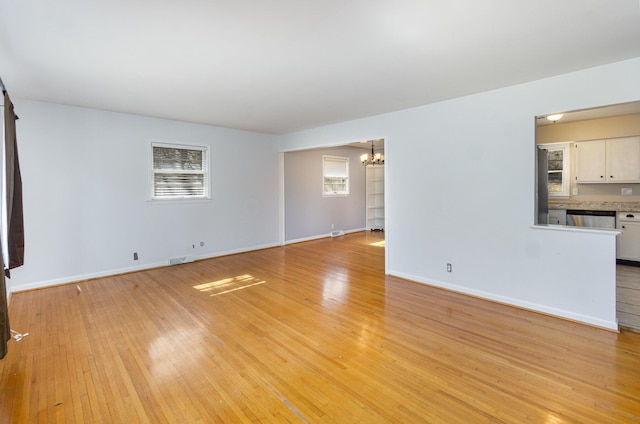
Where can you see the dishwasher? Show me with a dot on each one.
(591, 219)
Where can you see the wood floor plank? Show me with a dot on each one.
(628, 296)
(306, 333)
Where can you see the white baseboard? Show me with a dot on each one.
(560, 313)
(142, 267)
(83, 277)
(321, 236)
(236, 251)
(300, 240)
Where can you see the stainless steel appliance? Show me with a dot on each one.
(542, 188)
(591, 219)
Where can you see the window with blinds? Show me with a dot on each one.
(179, 172)
(335, 173)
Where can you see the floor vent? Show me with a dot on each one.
(180, 260)
(336, 233)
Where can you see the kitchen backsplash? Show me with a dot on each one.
(603, 193)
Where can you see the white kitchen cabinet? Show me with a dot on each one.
(375, 197)
(590, 161)
(614, 160)
(623, 160)
(629, 239)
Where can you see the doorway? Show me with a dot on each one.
(307, 214)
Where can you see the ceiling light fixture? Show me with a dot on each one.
(373, 159)
(555, 117)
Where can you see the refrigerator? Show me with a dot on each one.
(542, 187)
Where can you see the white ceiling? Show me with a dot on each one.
(284, 65)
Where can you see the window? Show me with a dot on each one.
(558, 168)
(179, 172)
(335, 173)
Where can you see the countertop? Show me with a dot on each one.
(595, 206)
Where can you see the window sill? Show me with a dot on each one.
(178, 201)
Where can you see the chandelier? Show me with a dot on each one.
(373, 159)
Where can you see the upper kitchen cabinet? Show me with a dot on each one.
(590, 161)
(623, 159)
(615, 160)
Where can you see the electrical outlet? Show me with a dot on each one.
(135, 256)
(626, 191)
(449, 268)
(201, 244)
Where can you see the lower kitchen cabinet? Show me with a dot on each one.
(629, 240)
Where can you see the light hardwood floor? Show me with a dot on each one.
(311, 332)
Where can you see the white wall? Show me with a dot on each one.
(460, 190)
(309, 214)
(86, 191)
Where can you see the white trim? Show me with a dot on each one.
(321, 236)
(303, 239)
(178, 200)
(281, 203)
(83, 277)
(113, 272)
(236, 251)
(386, 205)
(509, 301)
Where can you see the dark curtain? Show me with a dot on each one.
(15, 228)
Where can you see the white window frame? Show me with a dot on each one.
(566, 174)
(205, 172)
(326, 173)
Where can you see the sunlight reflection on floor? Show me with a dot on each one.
(227, 285)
